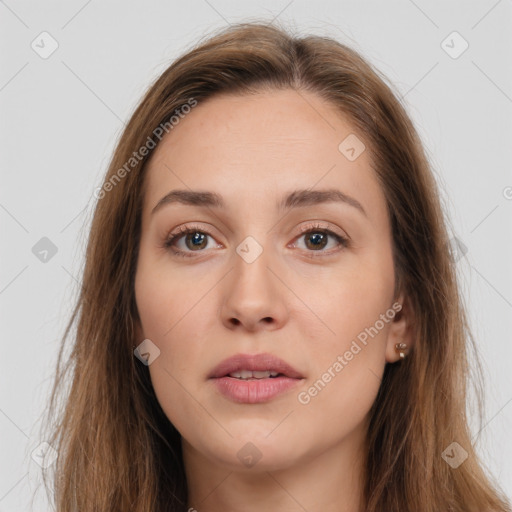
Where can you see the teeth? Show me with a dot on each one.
(261, 375)
(248, 374)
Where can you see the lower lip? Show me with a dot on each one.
(254, 391)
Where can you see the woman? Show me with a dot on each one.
(269, 315)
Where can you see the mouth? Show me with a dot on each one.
(254, 375)
(252, 379)
(254, 367)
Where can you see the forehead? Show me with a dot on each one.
(255, 148)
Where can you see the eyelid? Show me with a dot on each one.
(183, 228)
(322, 225)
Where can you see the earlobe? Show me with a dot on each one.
(401, 332)
(401, 349)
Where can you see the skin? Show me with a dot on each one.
(200, 310)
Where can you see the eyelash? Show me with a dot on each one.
(309, 229)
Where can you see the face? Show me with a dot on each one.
(309, 280)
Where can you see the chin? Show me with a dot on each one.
(255, 452)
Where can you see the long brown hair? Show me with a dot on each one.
(117, 451)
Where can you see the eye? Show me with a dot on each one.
(194, 238)
(317, 238)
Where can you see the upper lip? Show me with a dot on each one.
(256, 362)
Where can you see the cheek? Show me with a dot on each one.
(164, 297)
(337, 405)
(170, 311)
(169, 371)
(347, 302)
(170, 318)
(349, 355)
(176, 397)
(348, 365)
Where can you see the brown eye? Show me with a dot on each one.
(195, 240)
(317, 239)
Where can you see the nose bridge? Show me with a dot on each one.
(251, 260)
(253, 293)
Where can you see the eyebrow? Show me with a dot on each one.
(295, 199)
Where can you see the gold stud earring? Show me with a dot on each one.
(400, 348)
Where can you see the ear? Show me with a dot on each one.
(401, 329)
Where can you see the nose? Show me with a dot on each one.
(255, 296)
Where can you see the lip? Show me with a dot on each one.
(257, 390)
(255, 363)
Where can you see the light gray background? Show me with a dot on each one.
(60, 118)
